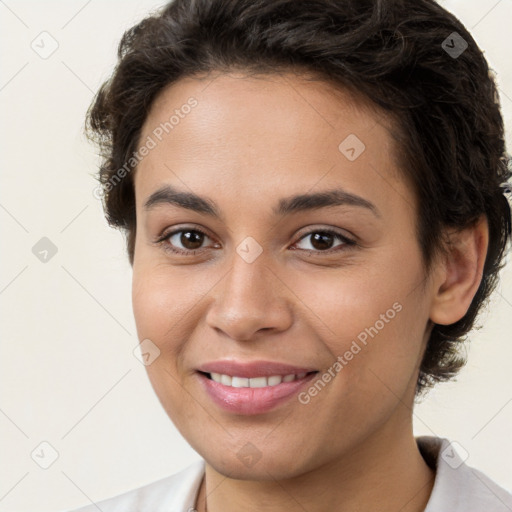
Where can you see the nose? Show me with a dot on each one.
(250, 299)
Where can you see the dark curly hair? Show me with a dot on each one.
(408, 58)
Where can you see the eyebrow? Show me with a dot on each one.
(285, 206)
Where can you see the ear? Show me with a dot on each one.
(459, 273)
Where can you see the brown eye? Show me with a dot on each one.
(190, 239)
(323, 240)
(184, 241)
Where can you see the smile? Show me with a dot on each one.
(252, 388)
(255, 382)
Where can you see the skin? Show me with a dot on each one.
(249, 142)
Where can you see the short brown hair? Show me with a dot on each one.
(395, 53)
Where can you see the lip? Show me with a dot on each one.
(251, 401)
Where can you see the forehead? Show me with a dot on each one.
(262, 134)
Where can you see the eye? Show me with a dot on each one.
(190, 238)
(321, 240)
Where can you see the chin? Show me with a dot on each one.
(261, 471)
(245, 462)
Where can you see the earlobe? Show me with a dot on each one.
(460, 273)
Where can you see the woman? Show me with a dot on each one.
(313, 198)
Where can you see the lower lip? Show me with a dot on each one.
(252, 400)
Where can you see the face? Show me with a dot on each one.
(318, 305)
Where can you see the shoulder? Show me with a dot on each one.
(173, 493)
(459, 487)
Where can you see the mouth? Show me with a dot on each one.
(252, 388)
(254, 382)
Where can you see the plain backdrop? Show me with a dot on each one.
(70, 379)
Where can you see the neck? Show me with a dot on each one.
(385, 473)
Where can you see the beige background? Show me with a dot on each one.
(69, 376)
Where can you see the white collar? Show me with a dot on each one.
(459, 487)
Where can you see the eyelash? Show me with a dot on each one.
(347, 242)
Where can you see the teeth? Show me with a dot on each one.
(216, 377)
(225, 379)
(255, 382)
(240, 382)
(258, 382)
(275, 380)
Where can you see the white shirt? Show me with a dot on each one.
(457, 487)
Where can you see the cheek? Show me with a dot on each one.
(167, 309)
(148, 300)
(160, 312)
(162, 301)
(157, 318)
(372, 323)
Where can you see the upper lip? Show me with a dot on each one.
(253, 368)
